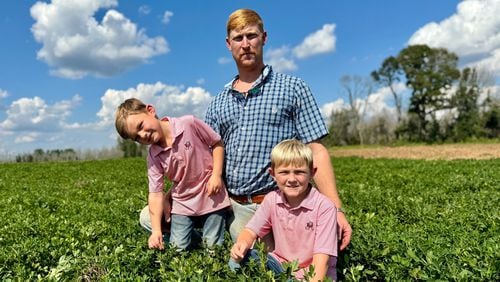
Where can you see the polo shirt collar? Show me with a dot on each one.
(307, 203)
(176, 128)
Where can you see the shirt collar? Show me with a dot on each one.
(176, 128)
(307, 203)
(266, 73)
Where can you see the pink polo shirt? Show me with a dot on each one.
(188, 164)
(300, 232)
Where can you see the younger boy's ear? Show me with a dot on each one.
(313, 171)
(271, 171)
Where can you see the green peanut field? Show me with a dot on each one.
(412, 220)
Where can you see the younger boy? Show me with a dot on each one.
(302, 220)
(190, 154)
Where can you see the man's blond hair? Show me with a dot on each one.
(291, 152)
(129, 107)
(242, 18)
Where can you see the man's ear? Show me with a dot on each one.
(228, 43)
(264, 38)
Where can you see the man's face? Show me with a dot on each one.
(246, 46)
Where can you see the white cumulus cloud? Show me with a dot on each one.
(166, 17)
(473, 33)
(75, 44)
(320, 42)
(168, 100)
(378, 103)
(280, 60)
(34, 114)
(3, 93)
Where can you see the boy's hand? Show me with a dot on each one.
(239, 250)
(214, 185)
(156, 240)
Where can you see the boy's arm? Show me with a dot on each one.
(243, 243)
(325, 182)
(215, 182)
(155, 203)
(320, 263)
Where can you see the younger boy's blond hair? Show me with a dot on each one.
(129, 107)
(291, 152)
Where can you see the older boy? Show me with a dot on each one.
(302, 220)
(190, 154)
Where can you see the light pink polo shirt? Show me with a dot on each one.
(188, 164)
(299, 232)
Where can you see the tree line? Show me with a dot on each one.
(446, 104)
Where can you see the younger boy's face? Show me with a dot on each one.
(145, 128)
(293, 181)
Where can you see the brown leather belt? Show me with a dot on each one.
(248, 199)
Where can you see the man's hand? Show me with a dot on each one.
(344, 230)
(156, 240)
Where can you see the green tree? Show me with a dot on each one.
(387, 75)
(465, 102)
(491, 118)
(130, 148)
(340, 133)
(429, 72)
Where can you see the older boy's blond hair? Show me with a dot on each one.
(242, 18)
(129, 107)
(291, 152)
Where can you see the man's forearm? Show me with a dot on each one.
(325, 176)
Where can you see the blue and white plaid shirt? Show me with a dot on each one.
(277, 107)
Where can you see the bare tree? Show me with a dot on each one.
(357, 88)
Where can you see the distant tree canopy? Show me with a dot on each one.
(40, 155)
(131, 149)
(444, 104)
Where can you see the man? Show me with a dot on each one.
(254, 112)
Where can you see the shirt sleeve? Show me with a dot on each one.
(261, 223)
(210, 116)
(310, 125)
(326, 230)
(206, 134)
(156, 181)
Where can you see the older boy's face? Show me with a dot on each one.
(292, 180)
(144, 128)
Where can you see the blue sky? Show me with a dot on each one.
(67, 64)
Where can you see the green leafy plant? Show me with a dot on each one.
(412, 220)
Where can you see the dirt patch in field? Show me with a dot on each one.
(430, 152)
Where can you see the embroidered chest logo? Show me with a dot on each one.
(310, 225)
(187, 146)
